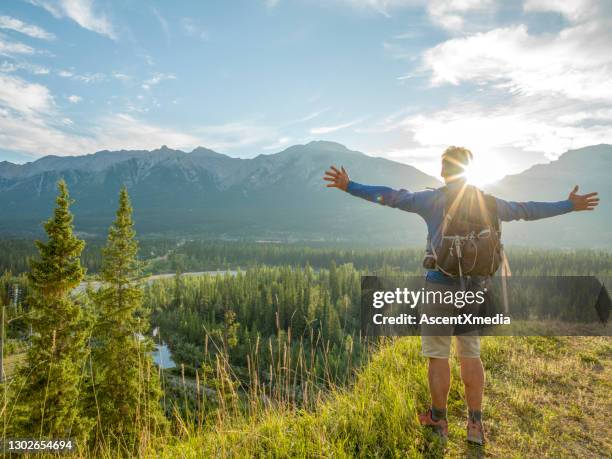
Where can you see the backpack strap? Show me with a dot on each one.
(505, 273)
(446, 219)
(449, 210)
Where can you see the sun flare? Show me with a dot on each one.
(481, 173)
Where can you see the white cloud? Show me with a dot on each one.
(80, 11)
(28, 118)
(74, 99)
(84, 77)
(271, 3)
(383, 7)
(477, 128)
(123, 131)
(595, 116)
(156, 79)
(234, 135)
(450, 14)
(8, 67)
(37, 135)
(529, 124)
(194, 30)
(24, 97)
(7, 22)
(518, 94)
(90, 77)
(31, 123)
(282, 142)
(147, 58)
(163, 23)
(308, 117)
(8, 48)
(575, 63)
(121, 76)
(36, 69)
(573, 10)
(395, 121)
(338, 127)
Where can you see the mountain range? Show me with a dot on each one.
(281, 196)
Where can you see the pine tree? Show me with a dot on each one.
(126, 386)
(49, 403)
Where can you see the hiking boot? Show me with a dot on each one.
(475, 432)
(440, 427)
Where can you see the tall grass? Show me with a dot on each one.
(289, 379)
(373, 416)
(545, 398)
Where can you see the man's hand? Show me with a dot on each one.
(338, 178)
(583, 201)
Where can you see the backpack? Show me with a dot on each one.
(470, 243)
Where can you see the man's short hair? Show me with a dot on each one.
(456, 160)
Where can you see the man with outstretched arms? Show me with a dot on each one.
(434, 207)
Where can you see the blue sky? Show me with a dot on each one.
(517, 82)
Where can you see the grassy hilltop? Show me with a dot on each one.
(545, 397)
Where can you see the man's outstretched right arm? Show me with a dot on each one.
(401, 199)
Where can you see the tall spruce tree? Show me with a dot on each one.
(126, 385)
(48, 402)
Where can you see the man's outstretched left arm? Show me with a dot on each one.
(509, 210)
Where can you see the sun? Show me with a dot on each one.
(480, 173)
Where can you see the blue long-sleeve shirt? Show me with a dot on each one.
(430, 205)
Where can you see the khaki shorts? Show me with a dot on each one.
(438, 347)
(436, 339)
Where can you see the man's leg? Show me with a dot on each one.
(473, 377)
(436, 344)
(439, 382)
(437, 349)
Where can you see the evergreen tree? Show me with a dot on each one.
(126, 386)
(50, 404)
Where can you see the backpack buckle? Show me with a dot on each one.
(485, 233)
